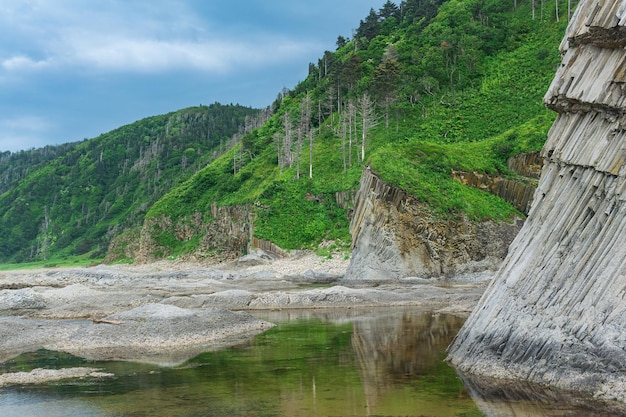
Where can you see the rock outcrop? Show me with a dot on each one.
(556, 312)
(394, 236)
(225, 236)
(518, 191)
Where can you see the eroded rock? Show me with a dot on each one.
(555, 313)
(394, 236)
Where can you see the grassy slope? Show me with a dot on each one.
(497, 114)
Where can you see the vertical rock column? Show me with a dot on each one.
(555, 313)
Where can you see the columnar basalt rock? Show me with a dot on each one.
(555, 313)
(517, 191)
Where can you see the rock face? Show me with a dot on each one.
(556, 312)
(225, 237)
(394, 236)
(516, 192)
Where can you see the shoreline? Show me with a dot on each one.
(167, 312)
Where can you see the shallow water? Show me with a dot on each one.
(316, 363)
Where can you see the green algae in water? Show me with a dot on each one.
(386, 365)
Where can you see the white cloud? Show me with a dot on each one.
(23, 63)
(153, 55)
(131, 37)
(26, 123)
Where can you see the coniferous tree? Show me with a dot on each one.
(388, 10)
(370, 27)
(341, 42)
(386, 80)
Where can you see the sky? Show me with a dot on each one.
(73, 69)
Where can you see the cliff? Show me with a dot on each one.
(518, 191)
(224, 236)
(394, 236)
(555, 313)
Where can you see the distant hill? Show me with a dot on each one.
(422, 87)
(72, 199)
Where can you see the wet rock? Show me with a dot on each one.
(39, 375)
(157, 333)
(152, 312)
(314, 277)
(233, 299)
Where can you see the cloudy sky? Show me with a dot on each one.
(73, 69)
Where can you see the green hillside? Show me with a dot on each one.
(432, 86)
(422, 87)
(73, 199)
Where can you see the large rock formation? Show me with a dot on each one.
(394, 236)
(556, 312)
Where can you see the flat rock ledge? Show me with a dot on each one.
(154, 333)
(40, 375)
(166, 313)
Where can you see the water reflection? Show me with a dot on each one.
(314, 363)
(392, 349)
(497, 398)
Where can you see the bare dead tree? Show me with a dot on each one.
(287, 139)
(342, 132)
(367, 115)
(351, 128)
(299, 150)
(305, 127)
(556, 5)
(277, 139)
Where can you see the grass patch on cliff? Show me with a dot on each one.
(424, 170)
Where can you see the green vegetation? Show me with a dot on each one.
(456, 85)
(69, 201)
(424, 87)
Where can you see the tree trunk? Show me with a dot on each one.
(556, 5)
(310, 154)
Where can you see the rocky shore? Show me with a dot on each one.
(168, 312)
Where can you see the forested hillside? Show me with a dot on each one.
(72, 199)
(420, 88)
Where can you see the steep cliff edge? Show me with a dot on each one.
(224, 236)
(394, 236)
(555, 313)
